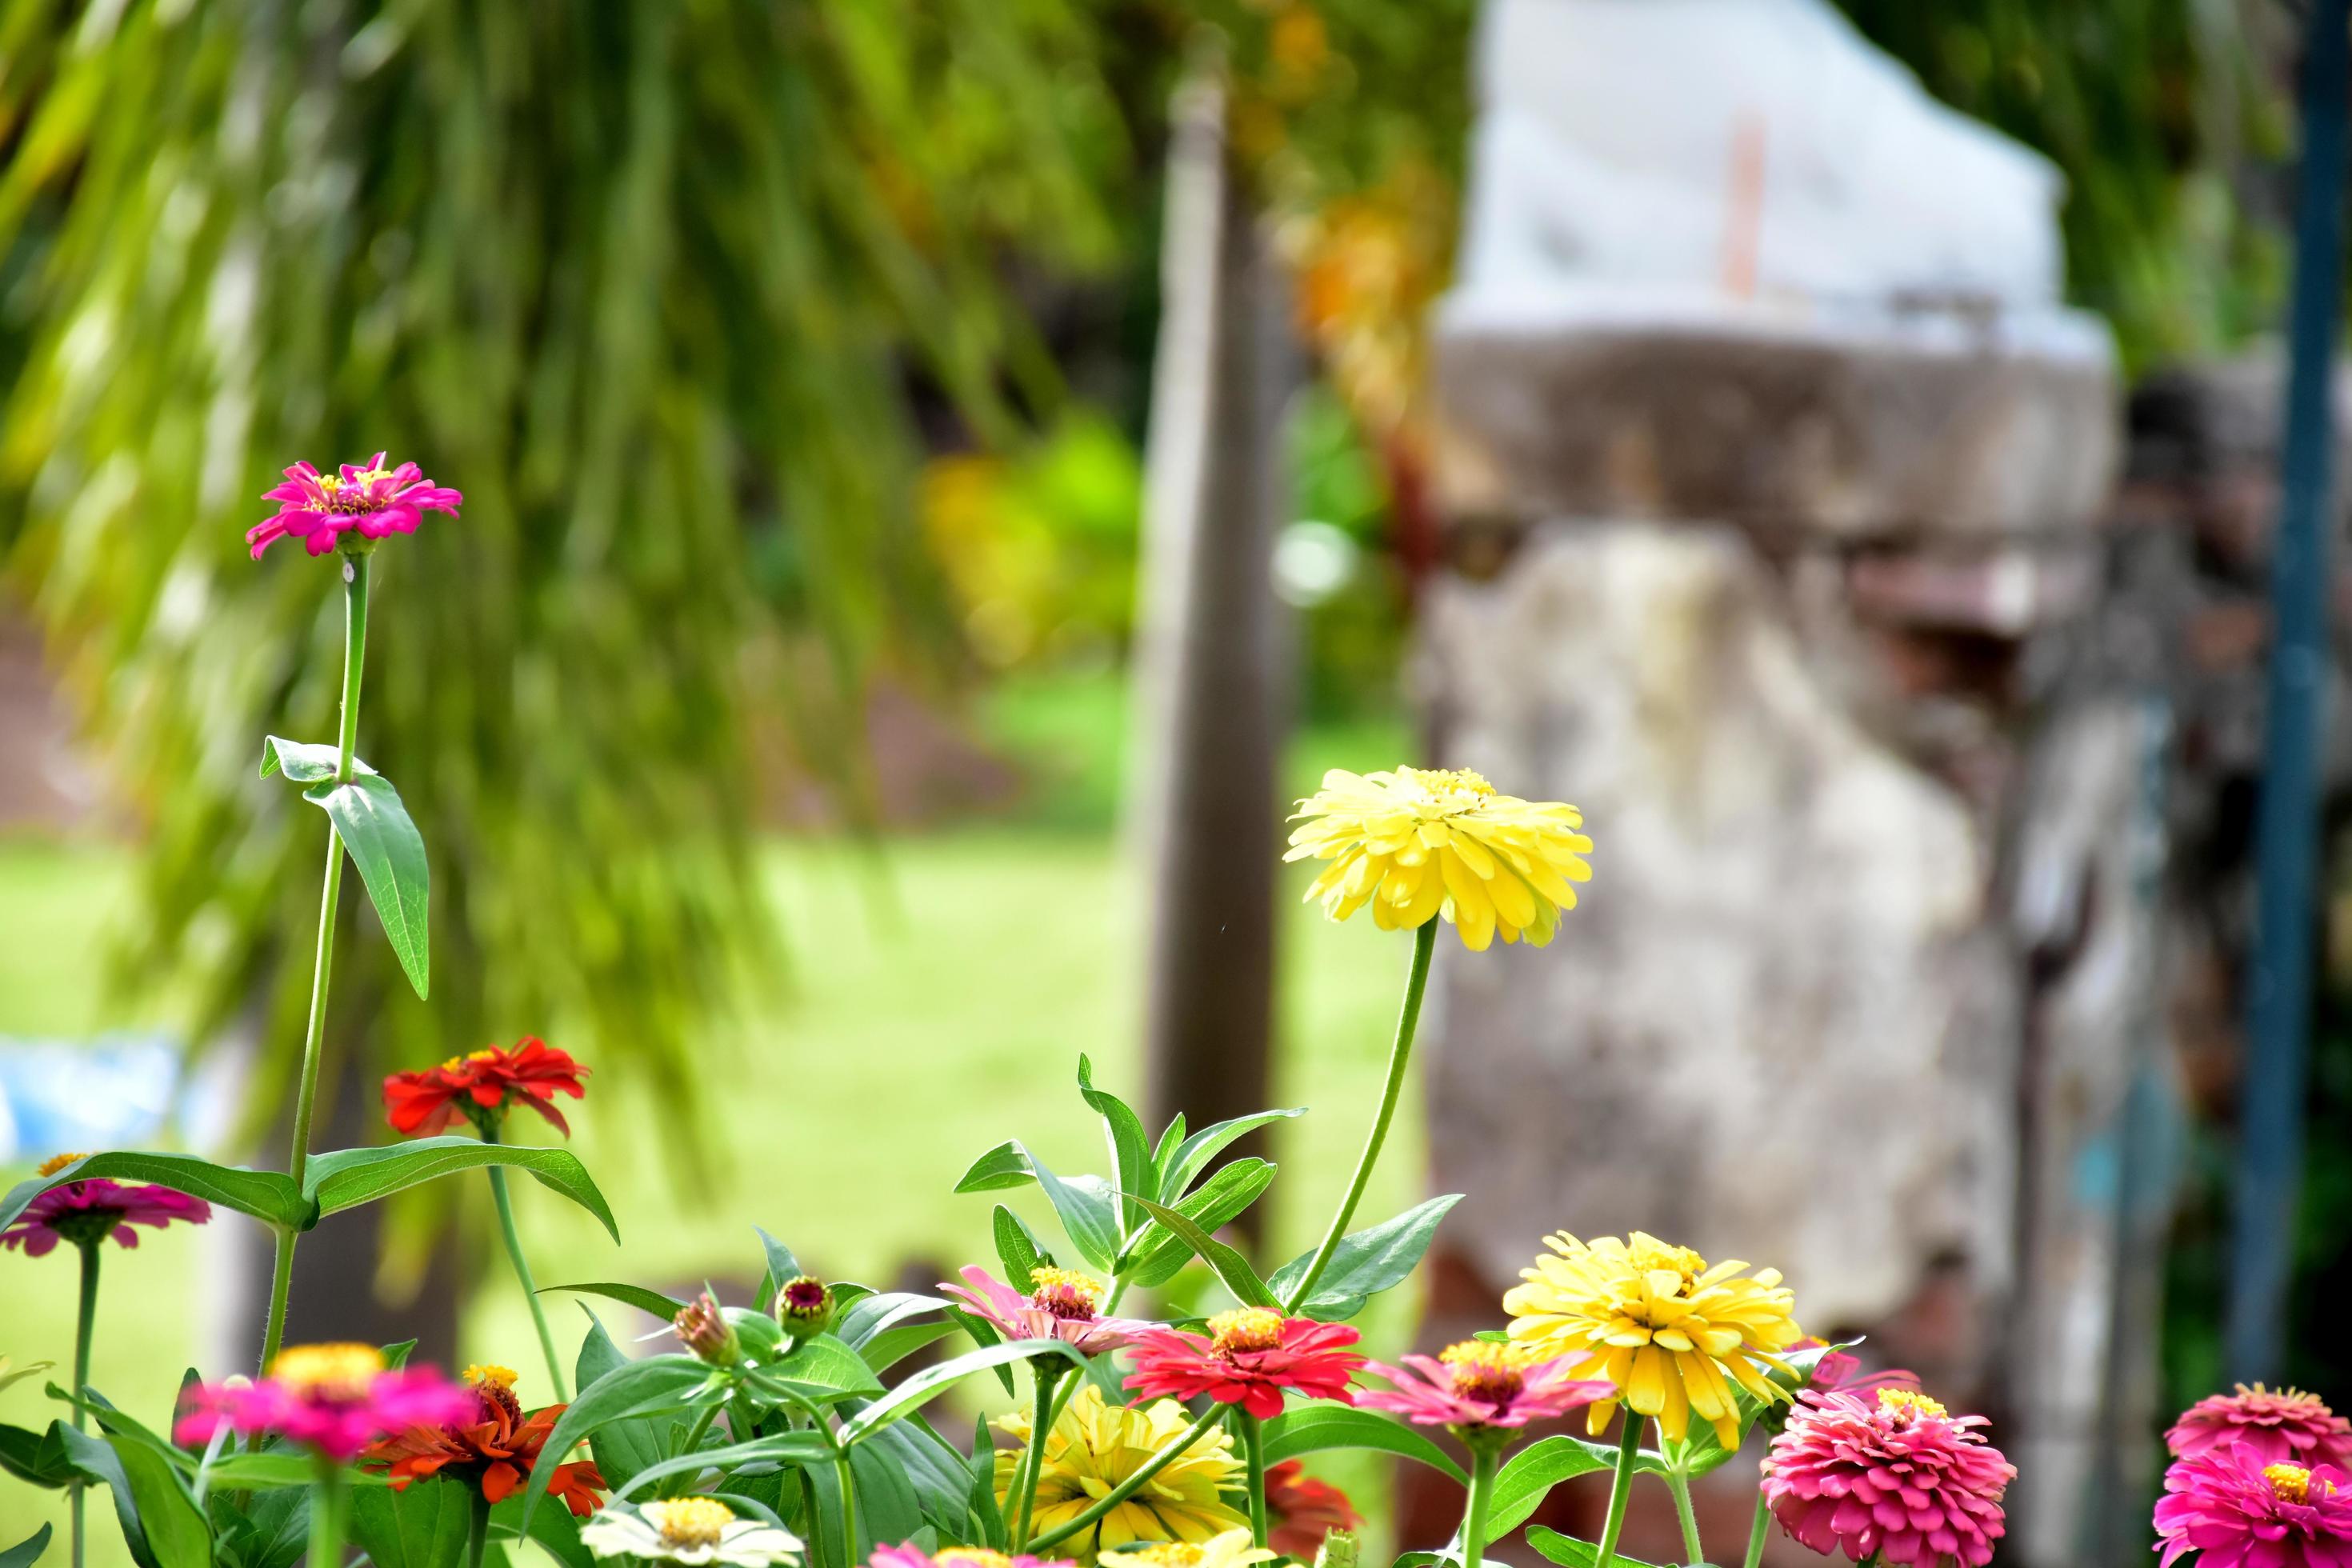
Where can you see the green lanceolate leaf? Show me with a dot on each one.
(1016, 1247)
(933, 1381)
(871, 1315)
(629, 1390)
(1368, 1261)
(781, 1265)
(820, 1367)
(1155, 1254)
(1534, 1470)
(302, 763)
(28, 1552)
(233, 1471)
(1085, 1207)
(38, 1458)
(161, 1523)
(803, 1448)
(1131, 1152)
(390, 853)
(348, 1177)
(423, 1527)
(1005, 1166)
(1192, 1156)
(1317, 1429)
(1230, 1265)
(892, 1346)
(269, 1196)
(552, 1528)
(260, 1530)
(636, 1296)
(1571, 1552)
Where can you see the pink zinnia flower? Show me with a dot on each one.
(910, 1555)
(1481, 1384)
(319, 508)
(90, 1211)
(335, 1398)
(2285, 1425)
(1894, 1475)
(1060, 1305)
(2236, 1508)
(1250, 1357)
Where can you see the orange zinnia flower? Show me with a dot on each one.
(493, 1452)
(482, 1085)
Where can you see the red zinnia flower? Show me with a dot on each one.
(1304, 1510)
(1250, 1357)
(335, 1398)
(1893, 1476)
(482, 1085)
(492, 1450)
(320, 508)
(2237, 1511)
(2285, 1425)
(87, 1211)
(1479, 1384)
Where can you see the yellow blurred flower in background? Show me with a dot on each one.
(1417, 843)
(1671, 1332)
(1096, 1445)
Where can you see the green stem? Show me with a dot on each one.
(1679, 1484)
(327, 1517)
(1425, 944)
(355, 594)
(478, 1529)
(1485, 1457)
(499, 1196)
(1620, 1487)
(684, 1482)
(1119, 1493)
(819, 1553)
(848, 1507)
(1033, 1461)
(1252, 1434)
(84, 1324)
(1757, 1530)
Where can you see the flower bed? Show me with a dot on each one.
(789, 1431)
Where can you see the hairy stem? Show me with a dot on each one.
(1757, 1530)
(1425, 944)
(1484, 1460)
(1679, 1484)
(1621, 1486)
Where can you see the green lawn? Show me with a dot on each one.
(939, 998)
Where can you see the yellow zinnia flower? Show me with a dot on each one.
(1672, 1333)
(1416, 843)
(1096, 1445)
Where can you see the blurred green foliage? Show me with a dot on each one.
(649, 282)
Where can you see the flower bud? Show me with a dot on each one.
(704, 1330)
(1338, 1551)
(805, 1306)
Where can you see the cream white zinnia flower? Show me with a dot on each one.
(692, 1531)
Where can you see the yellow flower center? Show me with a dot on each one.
(1485, 1370)
(2291, 1482)
(1448, 792)
(328, 1372)
(1650, 1255)
(1167, 1554)
(55, 1162)
(689, 1521)
(1064, 1293)
(1909, 1401)
(1245, 1329)
(971, 1557)
(482, 1373)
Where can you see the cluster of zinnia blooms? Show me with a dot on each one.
(2258, 1479)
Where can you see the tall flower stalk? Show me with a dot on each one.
(499, 1195)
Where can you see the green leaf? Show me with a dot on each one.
(636, 1296)
(347, 1178)
(17, 1374)
(1016, 1247)
(552, 1528)
(1574, 1554)
(28, 1552)
(939, 1475)
(1084, 1204)
(265, 1530)
(615, 1391)
(1156, 1255)
(887, 1509)
(1163, 1153)
(1130, 1154)
(871, 1315)
(782, 1267)
(423, 1527)
(933, 1381)
(390, 853)
(1316, 1429)
(1534, 1470)
(825, 1365)
(160, 1523)
(892, 1346)
(1006, 1165)
(38, 1458)
(1230, 1266)
(395, 1356)
(1192, 1155)
(798, 1447)
(1365, 1263)
(269, 1196)
(302, 763)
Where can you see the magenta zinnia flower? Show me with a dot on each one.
(1250, 1357)
(910, 1555)
(335, 1398)
(1894, 1475)
(320, 508)
(1481, 1384)
(87, 1211)
(2285, 1425)
(1060, 1306)
(2241, 1511)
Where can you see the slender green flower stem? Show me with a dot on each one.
(1425, 944)
(327, 1517)
(477, 1531)
(1679, 1484)
(1620, 1487)
(355, 595)
(1757, 1530)
(1252, 1436)
(1033, 1461)
(683, 1482)
(819, 1553)
(1118, 1494)
(848, 1507)
(1485, 1458)
(84, 1325)
(499, 1196)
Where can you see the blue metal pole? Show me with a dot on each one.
(2278, 1003)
